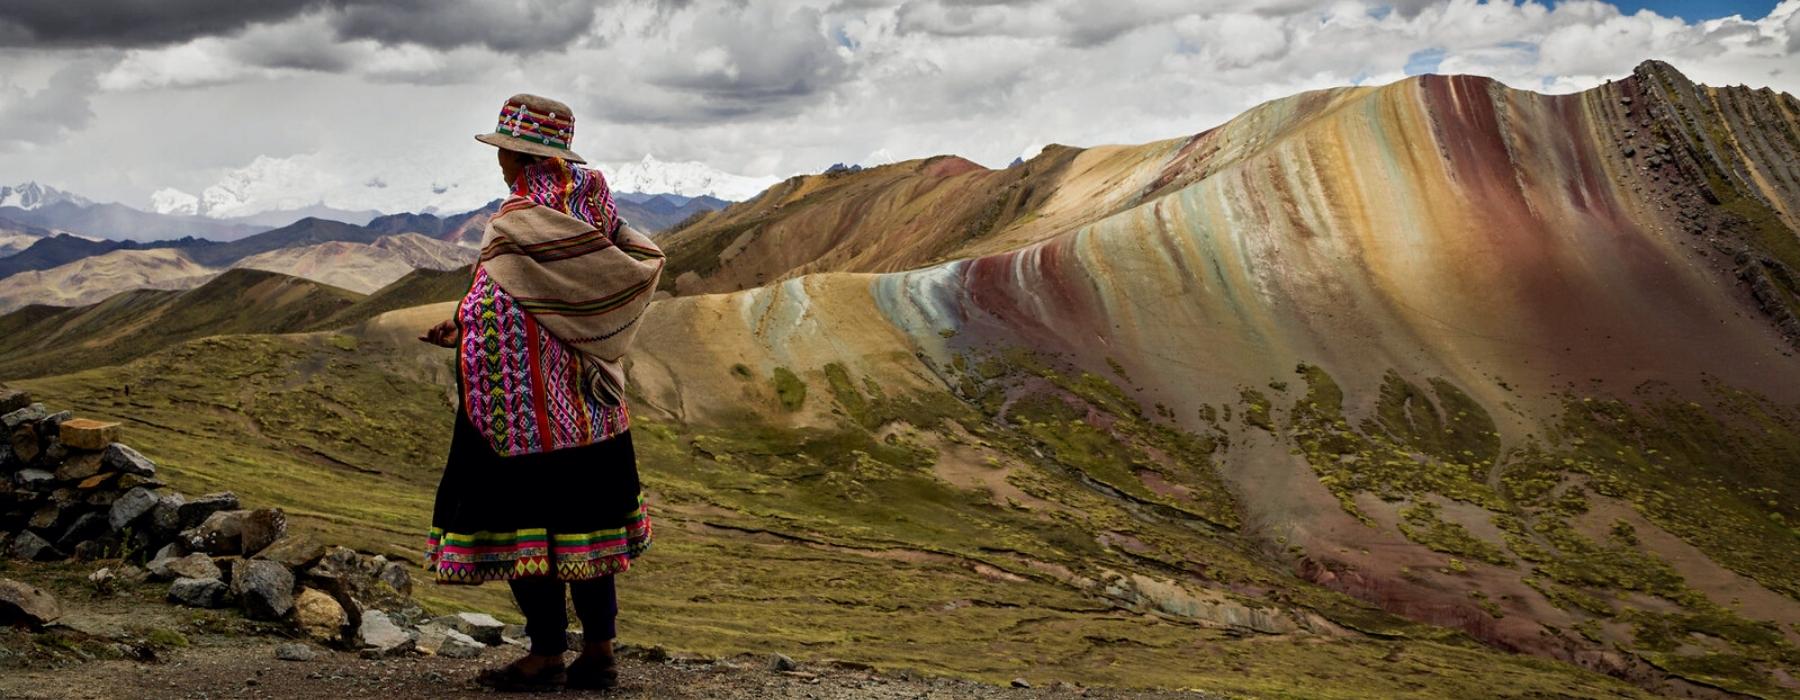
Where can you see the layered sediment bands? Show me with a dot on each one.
(1446, 226)
(1532, 254)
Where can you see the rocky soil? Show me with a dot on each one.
(249, 669)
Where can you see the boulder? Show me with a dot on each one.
(779, 662)
(194, 512)
(394, 574)
(35, 479)
(13, 400)
(120, 458)
(87, 527)
(222, 533)
(132, 506)
(319, 616)
(260, 528)
(88, 434)
(379, 636)
(25, 443)
(51, 425)
(348, 575)
(80, 466)
(29, 546)
(265, 588)
(24, 415)
(194, 565)
(24, 605)
(482, 627)
(295, 551)
(199, 592)
(442, 641)
(296, 651)
(165, 518)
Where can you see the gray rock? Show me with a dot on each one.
(120, 458)
(51, 425)
(24, 605)
(482, 627)
(194, 512)
(295, 651)
(168, 553)
(1020, 683)
(199, 592)
(265, 588)
(222, 533)
(135, 504)
(86, 527)
(261, 528)
(36, 479)
(13, 400)
(196, 565)
(394, 575)
(782, 662)
(29, 414)
(443, 641)
(29, 546)
(165, 518)
(381, 637)
(296, 551)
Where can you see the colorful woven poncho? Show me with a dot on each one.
(558, 292)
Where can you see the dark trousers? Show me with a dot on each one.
(540, 598)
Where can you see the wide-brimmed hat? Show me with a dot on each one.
(536, 125)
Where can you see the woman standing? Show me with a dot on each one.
(541, 486)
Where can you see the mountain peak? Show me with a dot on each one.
(33, 195)
(685, 178)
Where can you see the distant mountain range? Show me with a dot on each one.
(685, 178)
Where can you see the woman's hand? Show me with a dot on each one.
(442, 335)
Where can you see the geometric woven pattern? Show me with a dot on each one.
(476, 557)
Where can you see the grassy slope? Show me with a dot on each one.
(35, 341)
(827, 543)
(417, 288)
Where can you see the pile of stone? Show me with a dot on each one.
(69, 489)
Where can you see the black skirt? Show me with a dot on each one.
(576, 513)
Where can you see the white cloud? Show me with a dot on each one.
(767, 88)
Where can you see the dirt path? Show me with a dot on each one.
(247, 668)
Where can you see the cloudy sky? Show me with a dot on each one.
(366, 104)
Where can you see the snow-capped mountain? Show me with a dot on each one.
(31, 195)
(169, 200)
(685, 178)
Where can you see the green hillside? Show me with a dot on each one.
(37, 340)
(850, 541)
(417, 288)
